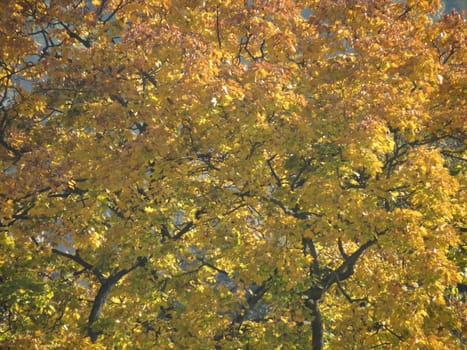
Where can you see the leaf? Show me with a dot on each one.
(236, 175)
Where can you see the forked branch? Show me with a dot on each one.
(106, 285)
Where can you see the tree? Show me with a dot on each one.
(216, 174)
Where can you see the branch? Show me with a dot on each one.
(346, 269)
(447, 56)
(341, 249)
(451, 155)
(401, 338)
(218, 28)
(343, 272)
(149, 77)
(166, 234)
(406, 11)
(273, 172)
(16, 152)
(110, 15)
(347, 296)
(211, 266)
(78, 259)
(106, 286)
(101, 8)
(119, 99)
(252, 300)
(183, 230)
(253, 148)
(292, 212)
(298, 181)
(73, 35)
(308, 243)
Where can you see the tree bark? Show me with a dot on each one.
(325, 279)
(106, 286)
(97, 307)
(102, 294)
(316, 325)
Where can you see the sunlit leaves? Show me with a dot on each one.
(202, 172)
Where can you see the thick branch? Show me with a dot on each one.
(166, 234)
(452, 155)
(16, 152)
(314, 294)
(106, 286)
(253, 299)
(104, 292)
(341, 249)
(308, 245)
(343, 272)
(188, 226)
(346, 269)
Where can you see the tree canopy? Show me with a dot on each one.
(232, 174)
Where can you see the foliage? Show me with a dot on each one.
(227, 174)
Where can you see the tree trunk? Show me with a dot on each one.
(316, 325)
